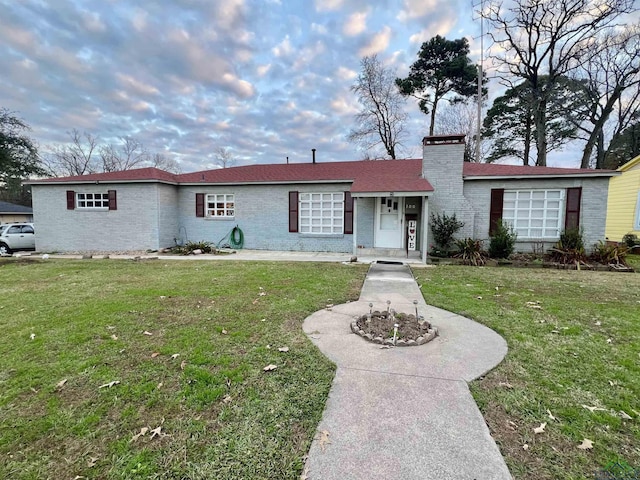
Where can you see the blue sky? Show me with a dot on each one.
(265, 78)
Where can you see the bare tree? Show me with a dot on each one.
(129, 154)
(547, 37)
(381, 120)
(78, 157)
(162, 162)
(224, 158)
(457, 118)
(84, 155)
(612, 74)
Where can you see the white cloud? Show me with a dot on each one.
(355, 24)
(17, 37)
(328, 5)
(262, 70)
(442, 27)
(308, 54)
(243, 88)
(283, 49)
(344, 105)
(378, 43)
(318, 28)
(139, 20)
(93, 23)
(136, 85)
(344, 73)
(417, 9)
(229, 11)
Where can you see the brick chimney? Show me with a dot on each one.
(442, 161)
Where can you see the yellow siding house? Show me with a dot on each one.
(623, 207)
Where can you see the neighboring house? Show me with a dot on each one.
(623, 208)
(10, 213)
(319, 206)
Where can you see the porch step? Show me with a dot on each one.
(387, 252)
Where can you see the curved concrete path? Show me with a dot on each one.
(403, 413)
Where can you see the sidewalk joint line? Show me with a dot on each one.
(429, 377)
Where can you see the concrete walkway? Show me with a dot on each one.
(403, 413)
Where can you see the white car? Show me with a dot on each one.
(17, 236)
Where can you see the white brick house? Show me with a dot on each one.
(319, 206)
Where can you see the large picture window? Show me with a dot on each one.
(534, 214)
(221, 205)
(636, 223)
(321, 213)
(92, 200)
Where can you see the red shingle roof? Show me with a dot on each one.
(366, 176)
(136, 175)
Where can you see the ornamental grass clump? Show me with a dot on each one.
(570, 247)
(470, 251)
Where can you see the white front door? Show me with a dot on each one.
(389, 222)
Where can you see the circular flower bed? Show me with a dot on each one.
(378, 327)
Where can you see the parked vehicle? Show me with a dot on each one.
(17, 236)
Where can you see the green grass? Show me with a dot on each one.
(221, 415)
(634, 261)
(582, 347)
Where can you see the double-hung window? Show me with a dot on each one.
(220, 205)
(92, 200)
(534, 214)
(321, 213)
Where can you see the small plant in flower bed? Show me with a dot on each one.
(470, 251)
(444, 228)
(381, 324)
(570, 247)
(631, 240)
(610, 253)
(189, 247)
(503, 241)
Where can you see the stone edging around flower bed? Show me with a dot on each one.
(431, 334)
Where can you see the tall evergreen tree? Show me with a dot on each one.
(443, 71)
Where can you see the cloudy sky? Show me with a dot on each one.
(265, 78)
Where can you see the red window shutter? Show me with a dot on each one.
(495, 210)
(71, 200)
(348, 213)
(113, 203)
(199, 204)
(572, 211)
(293, 212)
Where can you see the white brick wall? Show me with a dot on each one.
(262, 212)
(442, 167)
(593, 208)
(133, 226)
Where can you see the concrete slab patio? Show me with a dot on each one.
(405, 412)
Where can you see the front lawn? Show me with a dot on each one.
(573, 364)
(154, 369)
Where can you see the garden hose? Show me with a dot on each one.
(236, 237)
(233, 239)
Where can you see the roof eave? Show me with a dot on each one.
(387, 193)
(96, 182)
(540, 176)
(274, 182)
(630, 164)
